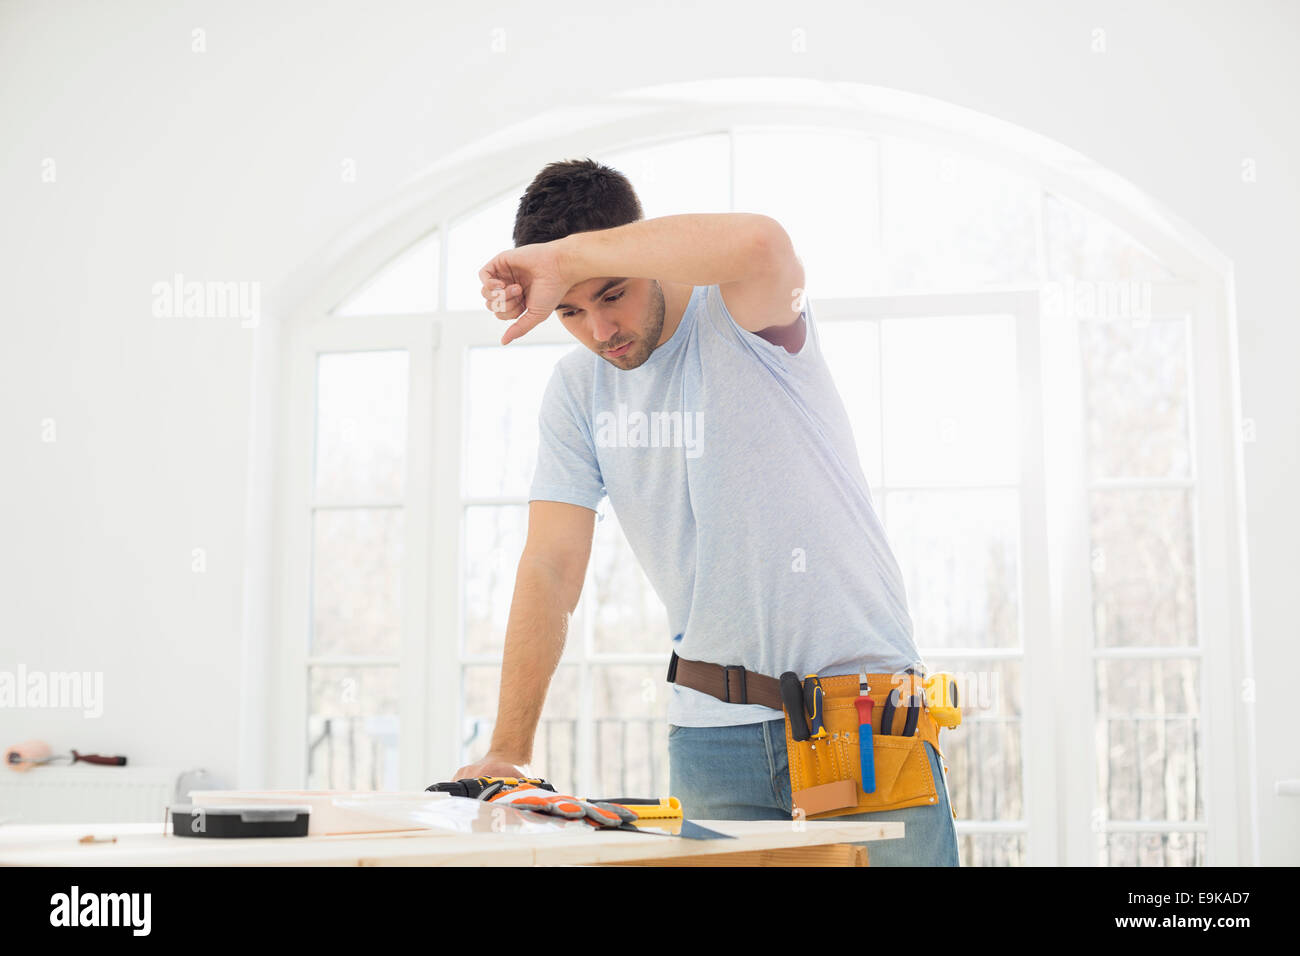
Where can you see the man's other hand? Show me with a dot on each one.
(524, 285)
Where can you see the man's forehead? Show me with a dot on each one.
(591, 290)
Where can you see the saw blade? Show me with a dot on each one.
(689, 831)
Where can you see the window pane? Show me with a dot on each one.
(1151, 849)
(958, 551)
(555, 747)
(1137, 398)
(1083, 245)
(474, 240)
(630, 710)
(356, 581)
(627, 615)
(984, 754)
(1143, 577)
(685, 176)
(494, 540)
(409, 283)
(1148, 733)
(852, 352)
(954, 222)
(352, 731)
(360, 425)
(503, 398)
(821, 185)
(992, 849)
(950, 400)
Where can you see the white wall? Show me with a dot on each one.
(225, 165)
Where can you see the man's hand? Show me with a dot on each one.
(495, 765)
(524, 285)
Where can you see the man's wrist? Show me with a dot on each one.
(509, 754)
(568, 252)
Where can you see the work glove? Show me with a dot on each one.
(597, 814)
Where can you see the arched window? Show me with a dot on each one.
(1039, 368)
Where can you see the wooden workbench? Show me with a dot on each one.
(758, 843)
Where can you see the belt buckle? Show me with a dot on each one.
(726, 679)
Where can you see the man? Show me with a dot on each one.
(708, 416)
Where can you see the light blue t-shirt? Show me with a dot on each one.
(732, 468)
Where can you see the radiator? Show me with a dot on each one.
(86, 794)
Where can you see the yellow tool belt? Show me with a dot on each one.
(826, 773)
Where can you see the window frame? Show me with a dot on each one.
(1214, 512)
(416, 335)
(437, 343)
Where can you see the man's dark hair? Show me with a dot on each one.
(576, 195)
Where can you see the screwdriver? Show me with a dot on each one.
(814, 699)
(864, 705)
(792, 697)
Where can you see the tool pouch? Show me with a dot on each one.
(826, 774)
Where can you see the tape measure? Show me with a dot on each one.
(941, 699)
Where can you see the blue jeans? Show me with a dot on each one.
(743, 773)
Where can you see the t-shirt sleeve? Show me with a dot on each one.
(773, 355)
(567, 469)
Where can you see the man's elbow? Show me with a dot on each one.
(552, 579)
(780, 264)
(769, 239)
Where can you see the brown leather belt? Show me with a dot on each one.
(825, 773)
(734, 685)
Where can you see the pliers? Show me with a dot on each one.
(914, 704)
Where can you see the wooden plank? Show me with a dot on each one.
(834, 854)
(144, 844)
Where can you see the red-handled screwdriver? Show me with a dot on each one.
(864, 705)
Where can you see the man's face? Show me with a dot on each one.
(620, 320)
